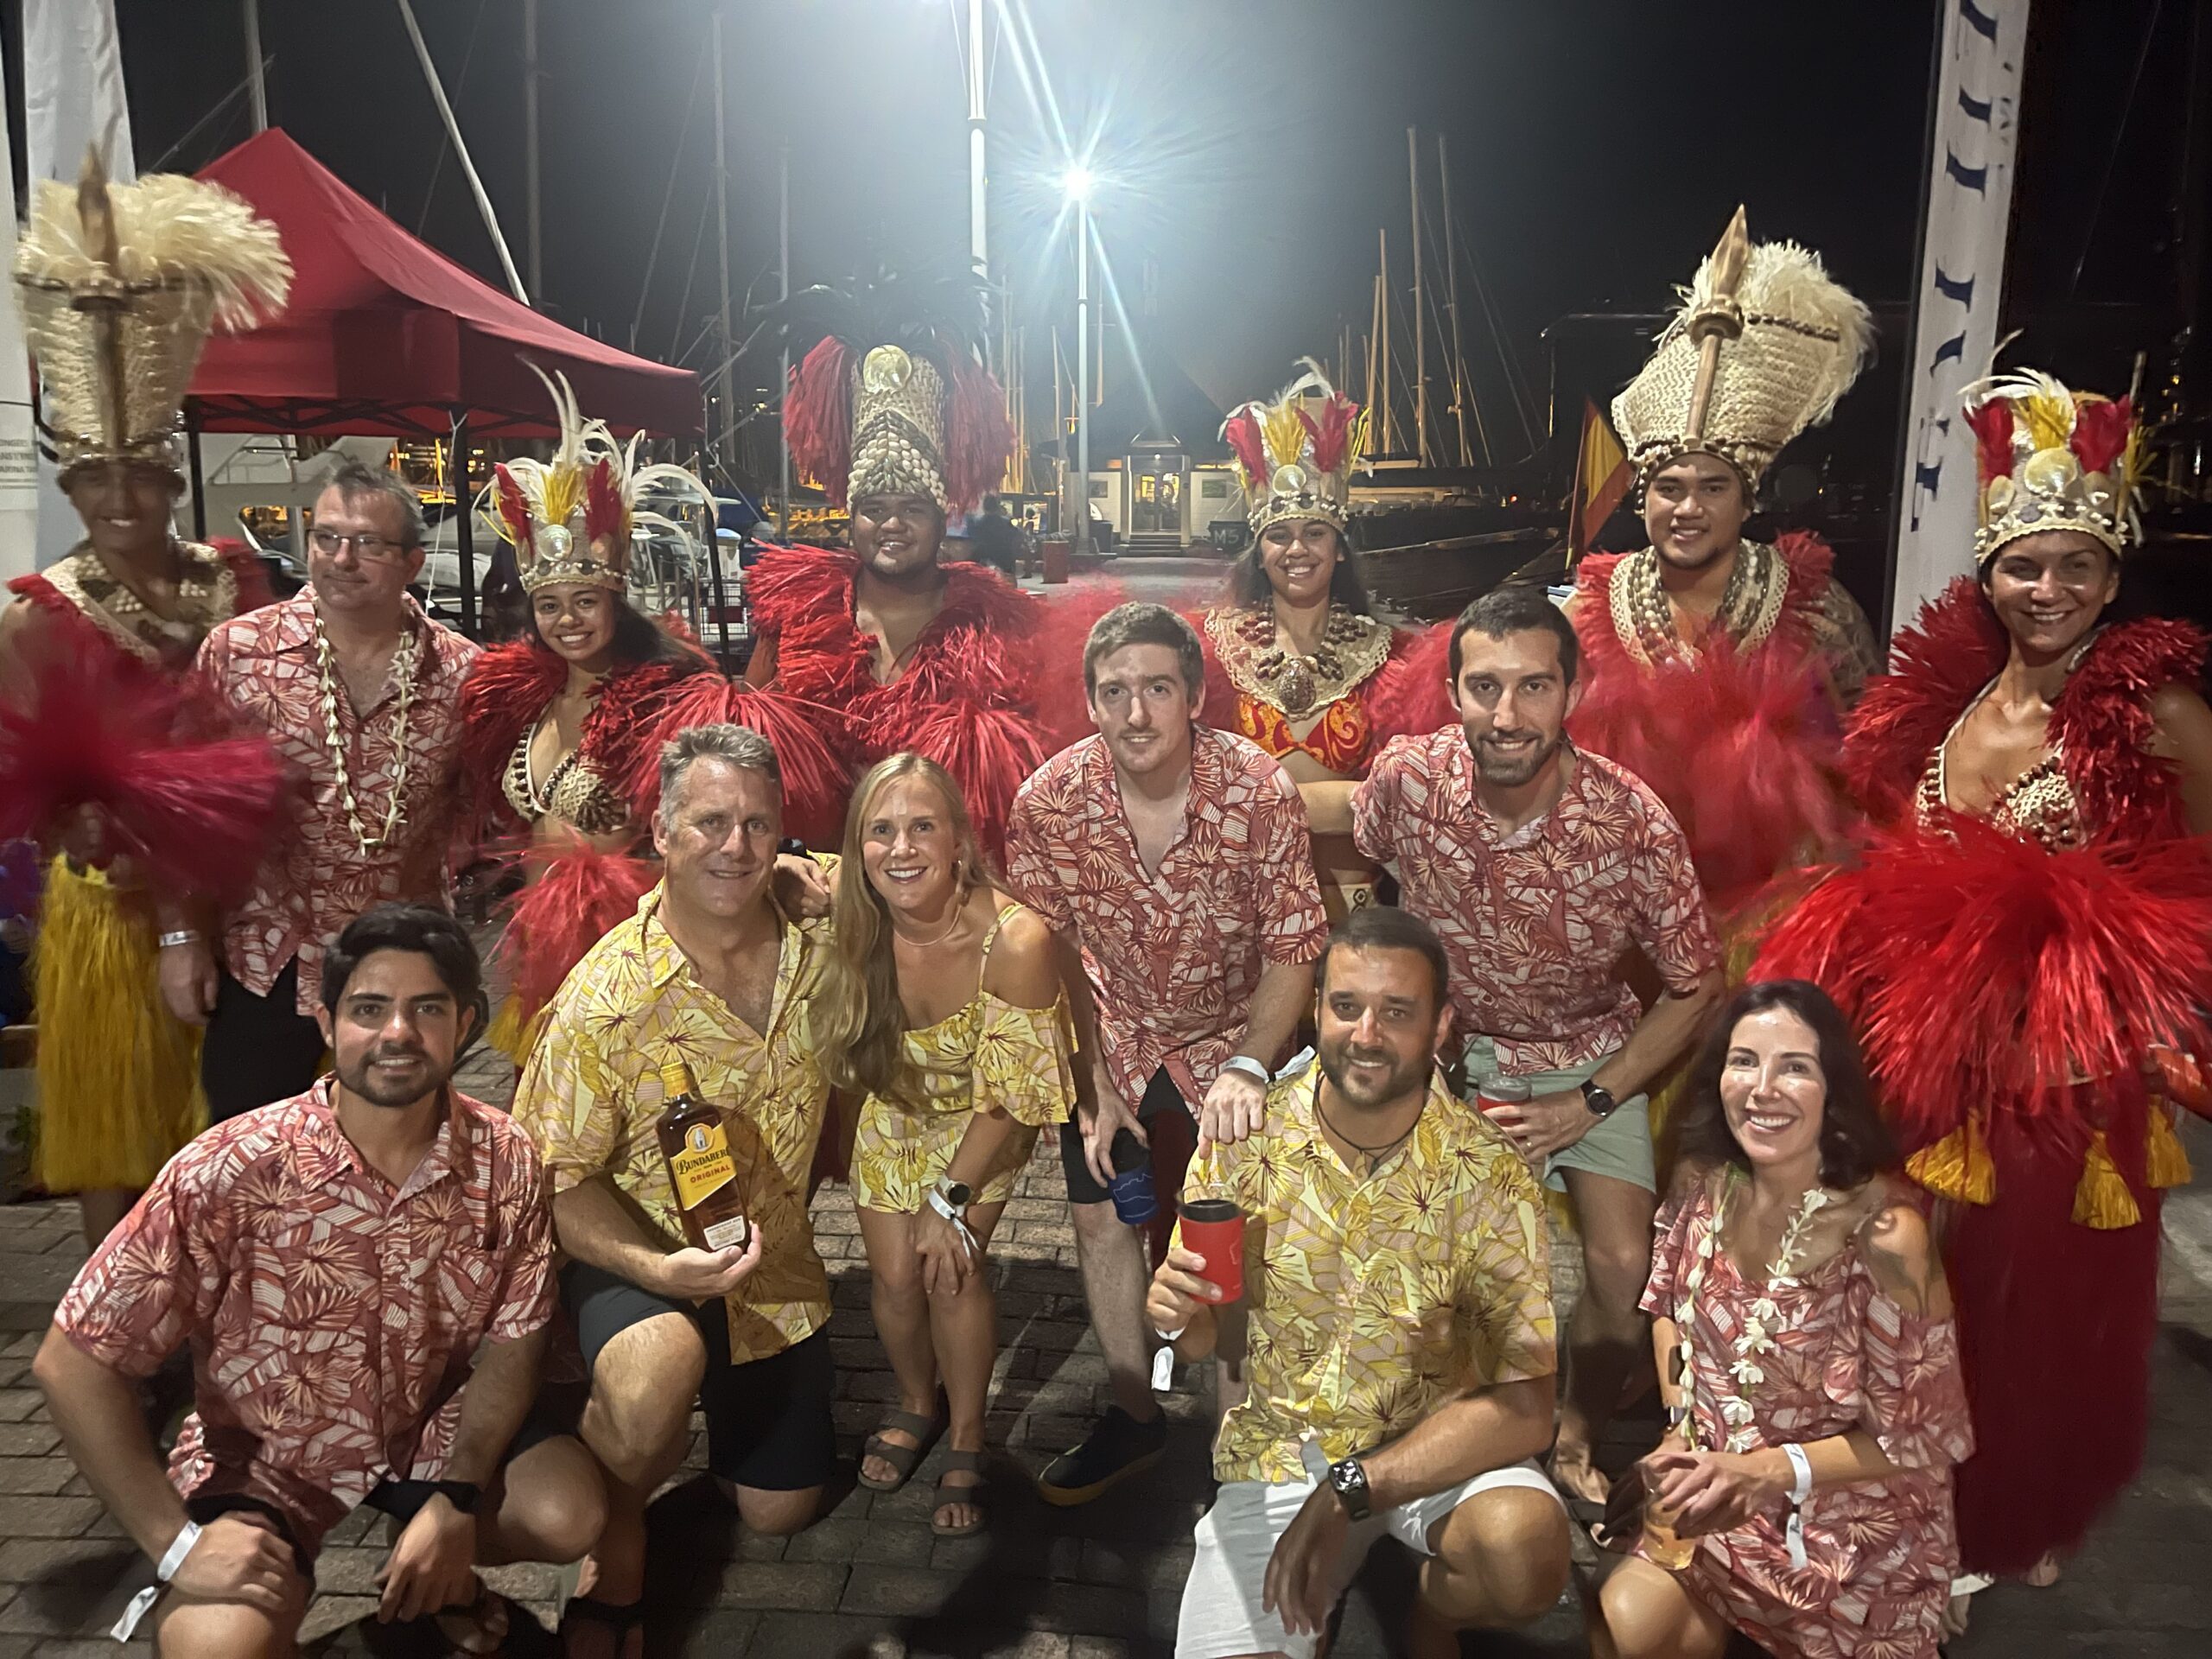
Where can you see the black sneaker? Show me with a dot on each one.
(1118, 1447)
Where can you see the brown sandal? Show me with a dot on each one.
(904, 1458)
(960, 1463)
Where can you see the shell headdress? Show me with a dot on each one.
(1297, 452)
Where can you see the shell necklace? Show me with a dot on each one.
(333, 736)
(1756, 1340)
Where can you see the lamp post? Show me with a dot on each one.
(1078, 186)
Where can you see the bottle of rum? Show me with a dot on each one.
(699, 1166)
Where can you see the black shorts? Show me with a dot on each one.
(768, 1422)
(1160, 1095)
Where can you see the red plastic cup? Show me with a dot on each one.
(1214, 1228)
(1502, 1092)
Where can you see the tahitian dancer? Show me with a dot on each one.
(555, 725)
(1296, 659)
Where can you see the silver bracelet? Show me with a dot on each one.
(179, 936)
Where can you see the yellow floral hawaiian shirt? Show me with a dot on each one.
(591, 1098)
(1368, 1301)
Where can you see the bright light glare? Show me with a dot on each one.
(1078, 183)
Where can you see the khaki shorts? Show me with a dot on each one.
(1618, 1145)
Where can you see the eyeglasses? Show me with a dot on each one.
(369, 550)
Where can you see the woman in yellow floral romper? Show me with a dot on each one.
(944, 1008)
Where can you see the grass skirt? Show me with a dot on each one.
(118, 1076)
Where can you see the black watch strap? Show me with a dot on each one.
(1600, 1101)
(463, 1494)
(1349, 1478)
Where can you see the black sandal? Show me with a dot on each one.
(904, 1458)
(960, 1463)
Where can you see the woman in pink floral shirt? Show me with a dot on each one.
(1809, 1365)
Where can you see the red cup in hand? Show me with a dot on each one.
(1214, 1228)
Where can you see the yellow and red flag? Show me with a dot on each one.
(1602, 477)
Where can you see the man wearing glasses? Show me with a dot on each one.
(360, 692)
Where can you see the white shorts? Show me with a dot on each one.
(1222, 1614)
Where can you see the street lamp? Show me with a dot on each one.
(1078, 184)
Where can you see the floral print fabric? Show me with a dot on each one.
(1369, 1298)
(1534, 921)
(1879, 1556)
(591, 1098)
(993, 1055)
(332, 1316)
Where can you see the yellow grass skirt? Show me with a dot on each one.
(118, 1076)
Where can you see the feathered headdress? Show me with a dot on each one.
(570, 518)
(1764, 346)
(2051, 459)
(1297, 454)
(893, 398)
(120, 284)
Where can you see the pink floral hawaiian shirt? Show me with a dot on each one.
(1172, 957)
(264, 666)
(332, 1316)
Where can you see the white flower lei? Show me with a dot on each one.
(1756, 1338)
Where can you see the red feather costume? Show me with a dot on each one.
(1406, 695)
(971, 696)
(576, 892)
(2007, 993)
(1742, 744)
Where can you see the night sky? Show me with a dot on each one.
(1249, 149)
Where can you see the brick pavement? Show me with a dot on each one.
(1105, 1580)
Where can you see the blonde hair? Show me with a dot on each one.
(858, 1021)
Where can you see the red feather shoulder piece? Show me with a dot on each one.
(789, 584)
(1937, 665)
(2102, 724)
(506, 690)
(1410, 694)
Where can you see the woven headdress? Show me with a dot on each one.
(1763, 346)
(894, 399)
(1297, 452)
(570, 518)
(2051, 458)
(120, 284)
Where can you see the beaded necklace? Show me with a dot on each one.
(1352, 647)
(1757, 1338)
(333, 736)
(1751, 605)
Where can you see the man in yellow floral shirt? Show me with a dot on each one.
(1396, 1332)
(711, 972)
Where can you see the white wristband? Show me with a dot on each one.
(164, 1570)
(1255, 1069)
(1801, 1489)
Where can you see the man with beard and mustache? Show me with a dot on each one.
(363, 1274)
(1539, 864)
(1397, 1312)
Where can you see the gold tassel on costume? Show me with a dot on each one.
(117, 1078)
(2165, 1161)
(1958, 1166)
(2103, 1201)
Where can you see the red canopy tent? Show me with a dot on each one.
(385, 334)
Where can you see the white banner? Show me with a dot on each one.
(18, 445)
(73, 97)
(1962, 287)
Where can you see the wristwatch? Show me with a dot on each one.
(1600, 1101)
(958, 1194)
(1349, 1481)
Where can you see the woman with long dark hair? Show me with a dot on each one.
(556, 725)
(1296, 659)
(1808, 1360)
(944, 1007)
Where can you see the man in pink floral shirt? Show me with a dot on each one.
(1541, 866)
(335, 1262)
(1173, 864)
(360, 692)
